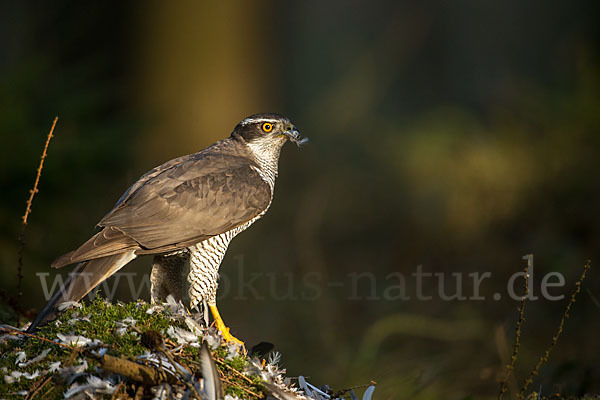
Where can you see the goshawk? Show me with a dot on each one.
(187, 209)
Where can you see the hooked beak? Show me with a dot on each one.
(294, 136)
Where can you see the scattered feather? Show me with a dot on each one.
(34, 360)
(213, 340)
(162, 392)
(183, 336)
(232, 351)
(274, 358)
(193, 326)
(77, 340)
(124, 325)
(9, 336)
(211, 381)
(15, 376)
(174, 306)
(153, 309)
(9, 379)
(54, 367)
(71, 373)
(304, 386)
(369, 393)
(129, 321)
(21, 356)
(159, 360)
(94, 385)
(99, 352)
(312, 390)
(68, 304)
(83, 382)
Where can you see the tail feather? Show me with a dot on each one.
(63, 260)
(84, 277)
(212, 382)
(109, 241)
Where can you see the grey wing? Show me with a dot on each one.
(191, 202)
(148, 176)
(179, 206)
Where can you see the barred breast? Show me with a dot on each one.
(205, 259)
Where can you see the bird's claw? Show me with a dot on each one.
(220, 325)
(230, 339)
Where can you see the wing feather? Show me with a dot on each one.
(192, 200)
(180, 203)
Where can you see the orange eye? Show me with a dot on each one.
(267, 127)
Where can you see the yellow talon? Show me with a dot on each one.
(228, 337)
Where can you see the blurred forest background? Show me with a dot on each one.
(456, 135)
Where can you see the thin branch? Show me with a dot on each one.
(250, 392)
(544, 358)
(32, 193)
(36, 389)
(517, 343)
(20, 332)
(235, 371)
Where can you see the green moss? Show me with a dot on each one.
(100, 320)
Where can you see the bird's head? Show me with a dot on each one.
(268, 130)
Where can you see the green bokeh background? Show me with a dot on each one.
(458, 136)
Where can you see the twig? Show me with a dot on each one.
(229, 367)
(32, 193)
(19, 332)
(36, 389)
(517, 343)
(544, 358)
(74, 353)
(344, 391)
(241, 387)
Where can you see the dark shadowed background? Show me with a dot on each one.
(453, 135)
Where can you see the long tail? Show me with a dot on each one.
(84, 277)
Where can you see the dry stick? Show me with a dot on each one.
(241, 387)
(544, 358)
(20, 332)
(344, 391)
(32, 193)
(517, 343)
(37, 389)
(74, 354)
(235, 371)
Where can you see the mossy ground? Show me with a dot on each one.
(101, 320)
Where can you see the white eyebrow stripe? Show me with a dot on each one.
(255, 120)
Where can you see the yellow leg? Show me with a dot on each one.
(228, 337)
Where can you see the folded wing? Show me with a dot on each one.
(179, 204)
